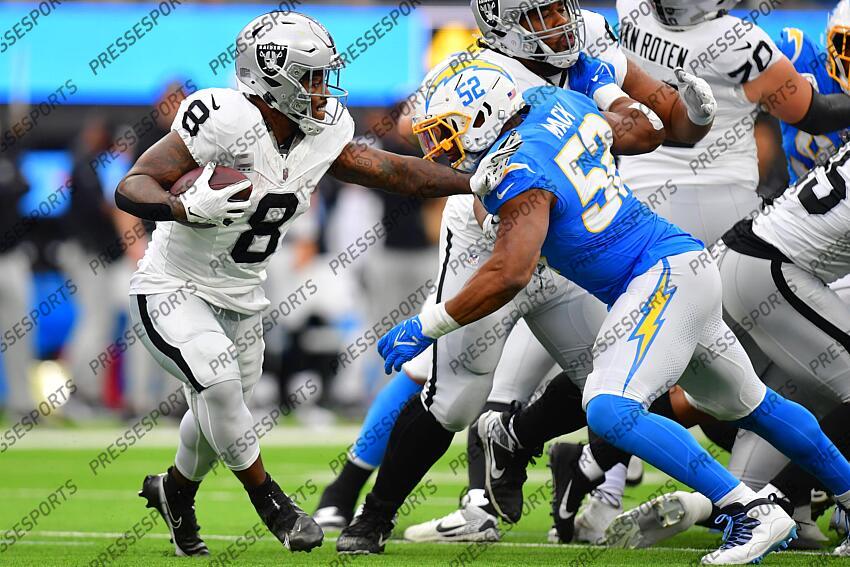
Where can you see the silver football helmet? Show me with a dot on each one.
(278, 54)
(509, 26)
(679, 14)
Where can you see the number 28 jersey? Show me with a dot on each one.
(600, 235)
(227, 265)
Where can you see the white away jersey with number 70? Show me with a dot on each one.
(227, 265)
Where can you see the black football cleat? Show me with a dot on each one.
(293, 527)
(177, 508)
(505, 463)
(369, 531)
(569, 487)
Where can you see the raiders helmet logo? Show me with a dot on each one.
(489, 10)
(271, 57)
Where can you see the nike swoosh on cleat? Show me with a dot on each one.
(176, 525)
(562, 510)
(443, 530)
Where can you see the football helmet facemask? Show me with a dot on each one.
(509, 26)
(281, 52)
(464, 110)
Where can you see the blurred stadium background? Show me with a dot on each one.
(72, 122)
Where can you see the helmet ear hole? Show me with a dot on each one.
(479, 119)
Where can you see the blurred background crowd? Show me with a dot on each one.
(73, 120)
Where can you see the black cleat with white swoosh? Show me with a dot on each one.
(293, 527)
(370, 529)
(569, 487)
(177, 508)
(505, 463)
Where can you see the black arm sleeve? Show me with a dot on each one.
(147, 211)
(827, 113)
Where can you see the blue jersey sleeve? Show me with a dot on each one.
(523, 174)
(801, 51)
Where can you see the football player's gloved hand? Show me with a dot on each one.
(403, 343)
(493, 167)
(697, 96)
(589, 74)
(490, 226)
(204, 205)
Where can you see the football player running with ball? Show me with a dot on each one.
(284, 128)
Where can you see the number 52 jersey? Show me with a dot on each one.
(227, 265)
(600, 236)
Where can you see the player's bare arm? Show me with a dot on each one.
(666, 103)
(635, 132)
(372, 167)
(143, 191)
(522, 230)
(788, 96)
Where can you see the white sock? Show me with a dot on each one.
(700, 505)
(611, 490)
(742, 494)
(477, 497)
(588, 465)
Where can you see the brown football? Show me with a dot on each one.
(221, 178)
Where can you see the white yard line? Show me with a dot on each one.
(211, 537)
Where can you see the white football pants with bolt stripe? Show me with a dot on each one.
(667, 328)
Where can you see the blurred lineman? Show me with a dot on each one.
(538, 46)
(284, 128)
(100, 253)
(560, 197)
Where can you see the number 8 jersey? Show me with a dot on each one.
(227, 265)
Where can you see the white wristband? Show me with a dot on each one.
(436, 321)
(605, 96)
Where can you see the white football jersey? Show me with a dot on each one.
(227, 265)
(810, 222)
(600, 43)
(726, 52)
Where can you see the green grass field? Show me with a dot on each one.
(91, 512)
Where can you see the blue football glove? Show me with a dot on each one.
(590, 74)
(403, 343)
